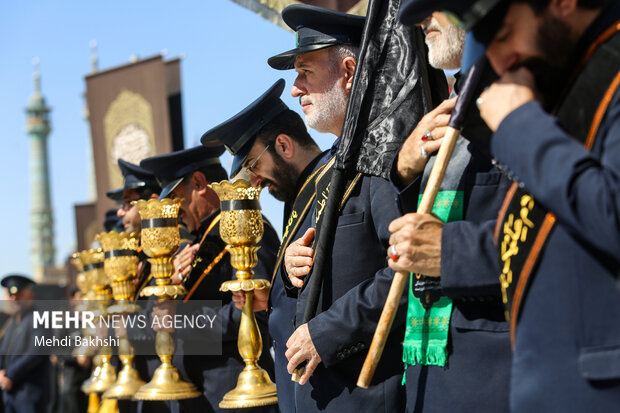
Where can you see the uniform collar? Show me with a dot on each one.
(307, 171)
(606, 17)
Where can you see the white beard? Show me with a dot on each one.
(328, 108)
(446, 49)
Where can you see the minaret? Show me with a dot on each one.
(41, 221)
(92, 183)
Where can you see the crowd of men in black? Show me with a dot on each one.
(513, 302)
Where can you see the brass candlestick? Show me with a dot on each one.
(104, 375)
(82, 285)
(121, 267)
(161, 239)
(241, 226)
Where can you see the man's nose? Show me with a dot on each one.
(297, 90)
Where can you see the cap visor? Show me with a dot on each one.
(169, 188)
(414, 12)
(286, 60)
(240, 157)
(115, 194)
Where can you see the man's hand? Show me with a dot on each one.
(298, 258)
(410, 162)
(83, 361)
(163, 315)
(136, 280)
(261, 298)
(300, 348)
(416, 239)
(511, 91)
(183, 262)
(5, 382)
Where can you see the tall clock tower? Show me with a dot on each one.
(41, 220)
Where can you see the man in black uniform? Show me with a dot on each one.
(271, 142)
(186, 174)
(555, 113)
(465, 365)
(139, 184)
(25, 376)
(355, 277)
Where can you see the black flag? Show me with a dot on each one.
(393, 87)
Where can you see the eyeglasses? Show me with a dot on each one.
(249, 168)
(126, 205)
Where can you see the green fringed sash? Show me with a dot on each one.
(426, 334)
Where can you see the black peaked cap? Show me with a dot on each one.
(171, 168)
(238, 133)
(16, 282)
(135, 177)
(317, 28)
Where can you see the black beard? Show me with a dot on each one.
(552, 70)
(286, 180)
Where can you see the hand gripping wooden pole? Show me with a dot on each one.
(469, 90)
(400, 278)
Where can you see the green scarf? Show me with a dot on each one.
(426, 334)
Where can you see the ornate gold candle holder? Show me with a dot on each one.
(121, 266)
(104, 375)
(241, 226)
(160, 240)
(82, 285)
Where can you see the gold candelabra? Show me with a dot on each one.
(121, 266)
(241, 227)
(91, 262)
(160, 240)
(86, 295)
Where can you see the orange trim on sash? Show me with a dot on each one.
(599, 40)
(549, 220)
(539, 242)
(210, 227)
(602, 109)
(502, 211)
(205, 272)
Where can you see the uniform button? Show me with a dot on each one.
(274, 345)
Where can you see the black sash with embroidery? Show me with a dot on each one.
(301, 206)
(317, 183)
(322, 193)
(523, 224)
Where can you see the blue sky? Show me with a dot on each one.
(225, 49)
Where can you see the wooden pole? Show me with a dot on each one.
(400, 278)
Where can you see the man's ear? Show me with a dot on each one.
(349, 64)
(284, 146)
(154, 196)
(199, 182)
